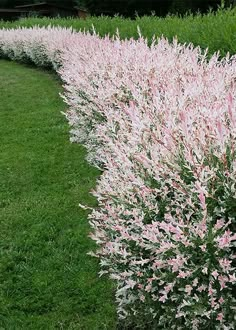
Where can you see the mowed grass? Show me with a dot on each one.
(47, 280)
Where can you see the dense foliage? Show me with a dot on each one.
(160, 121)
(130, 7)
(214, 31)
(160, 7)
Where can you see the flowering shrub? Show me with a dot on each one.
(161, 122)
(40, 46)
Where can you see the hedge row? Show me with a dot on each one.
(160, 121)
(215, 31)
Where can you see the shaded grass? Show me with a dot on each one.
(215, 30)
(47, 280)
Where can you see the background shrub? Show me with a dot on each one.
(215, 31)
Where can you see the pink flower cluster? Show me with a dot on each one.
(160, 120)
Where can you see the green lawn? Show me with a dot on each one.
(47, 280)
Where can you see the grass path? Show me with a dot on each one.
(47, 280)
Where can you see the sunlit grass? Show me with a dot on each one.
(47, 280)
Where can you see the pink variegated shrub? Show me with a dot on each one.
(40, 46)
(161, 122)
